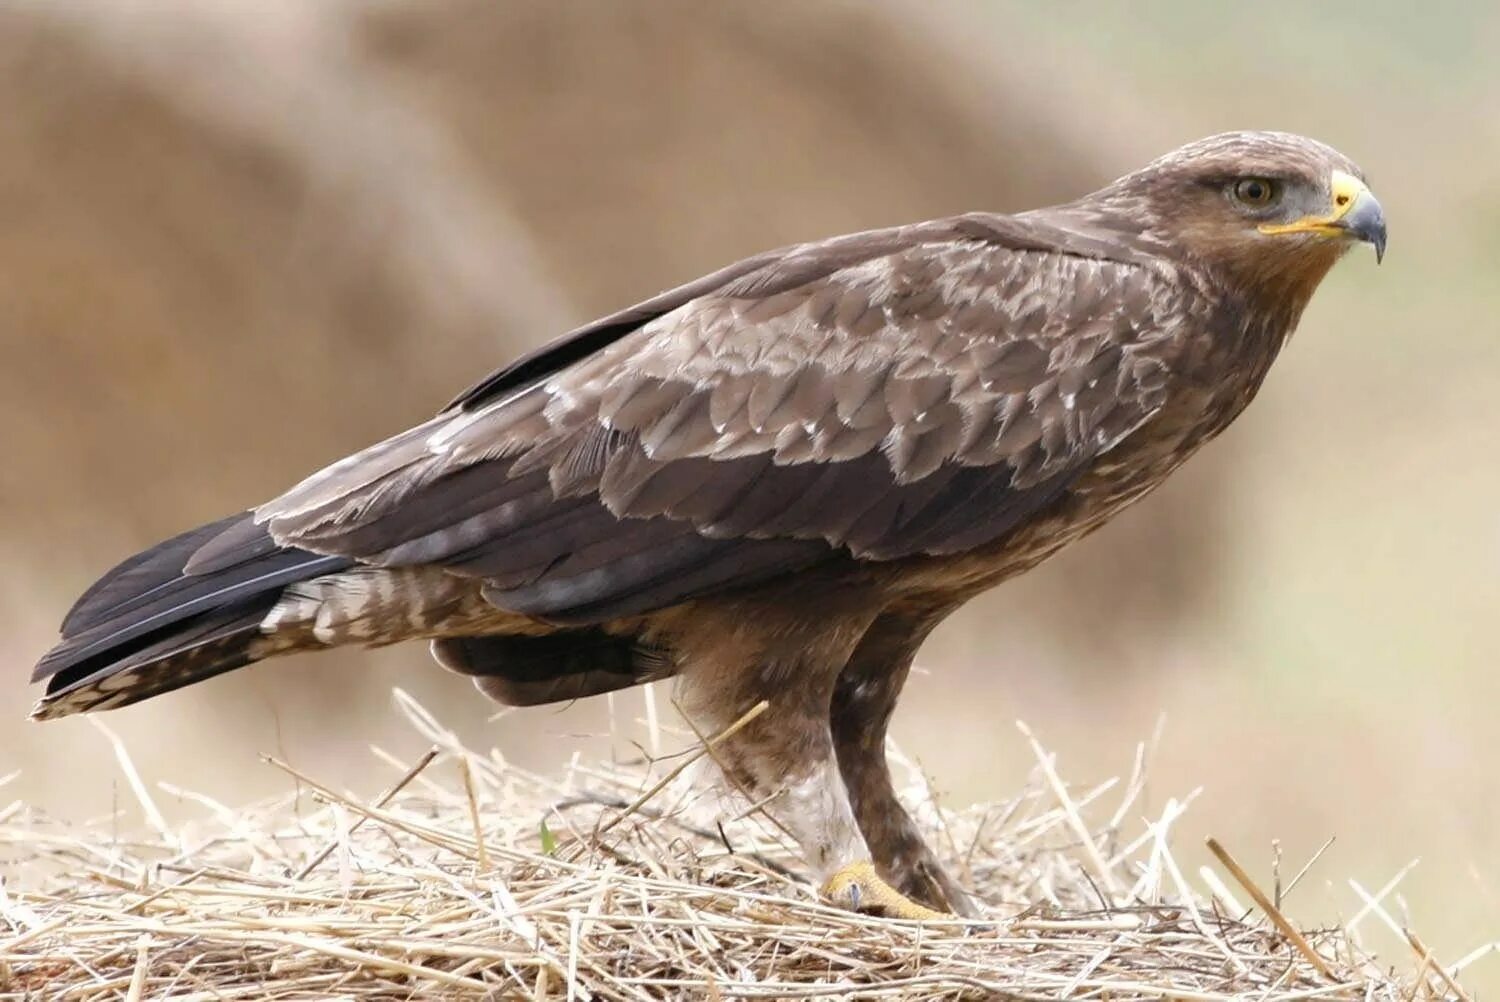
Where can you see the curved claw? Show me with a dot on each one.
(859, 888)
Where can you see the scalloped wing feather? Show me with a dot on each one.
(914, 393)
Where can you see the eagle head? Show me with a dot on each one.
(1268, 211)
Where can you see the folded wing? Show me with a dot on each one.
(901, 393)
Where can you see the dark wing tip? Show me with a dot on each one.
(133, 578)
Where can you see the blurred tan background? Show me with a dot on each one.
(238, 241)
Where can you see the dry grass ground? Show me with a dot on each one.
(469, 877)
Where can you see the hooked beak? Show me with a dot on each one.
(1354, 214)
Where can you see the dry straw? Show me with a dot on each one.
(470, 878)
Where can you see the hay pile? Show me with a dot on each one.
(472, 879)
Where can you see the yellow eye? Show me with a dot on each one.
(1257, 192)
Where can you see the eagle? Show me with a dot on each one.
(770, 484)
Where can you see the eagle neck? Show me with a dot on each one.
(1249, 334)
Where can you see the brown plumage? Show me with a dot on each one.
(773, 482)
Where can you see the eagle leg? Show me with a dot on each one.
(863, 700)
(784, 760)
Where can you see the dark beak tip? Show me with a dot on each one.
(1367, 223)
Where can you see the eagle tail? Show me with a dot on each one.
(184, 610)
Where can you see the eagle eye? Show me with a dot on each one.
(1256, 192)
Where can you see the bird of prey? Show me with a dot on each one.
(773, 482)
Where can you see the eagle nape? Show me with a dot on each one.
(772, 483)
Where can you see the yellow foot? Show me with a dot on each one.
(859, 888)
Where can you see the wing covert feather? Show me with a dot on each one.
(909, 393)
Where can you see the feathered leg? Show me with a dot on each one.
(864, 698)
(785, 759)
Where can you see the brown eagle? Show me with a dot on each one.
(773, 482)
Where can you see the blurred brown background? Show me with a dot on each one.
(238, 241)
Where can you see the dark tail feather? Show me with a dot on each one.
(153, 624)
(207, 645)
